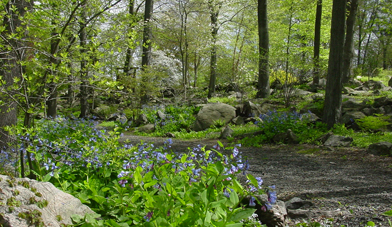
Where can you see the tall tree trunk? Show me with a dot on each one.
(316, 50)
(263, 84)
(52, 100)
(11, 56)
(147, 47)
(349, 43)
(129, 52)
(333, 92)
(83, 65)
(147, 34)
(214, 13)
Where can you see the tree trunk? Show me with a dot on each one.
(10, 67)
(214, 13)
(83, 66)
(129, 52)
(349, 43)
(147, 47)
(147, 34)
(333, 92)
(263, 84)
(316, 50)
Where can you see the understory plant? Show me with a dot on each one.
(143, 185)
(274, 122)
(177, 118)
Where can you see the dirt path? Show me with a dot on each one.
(346, 185)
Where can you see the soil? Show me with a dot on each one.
(347, 186)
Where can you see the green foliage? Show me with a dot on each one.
(177, 119)
(373, 123)
(281, 76)
(362, 139)
(142, 185)
(226, 100)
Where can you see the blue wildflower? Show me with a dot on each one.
(252, 201)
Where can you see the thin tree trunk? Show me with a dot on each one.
(316, 51)
(349, 43)
(129, 52)
(83, 66)
(263, 84)
(333, 92)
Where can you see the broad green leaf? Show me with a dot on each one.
(234, 198)
(242, 214)
(204, 197)
(252, 180)
(137, 176)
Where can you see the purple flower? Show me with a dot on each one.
(259, 181)
(148, 216)
(123, 182)
(252, 201)
(272, 197)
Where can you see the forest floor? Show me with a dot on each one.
(347, 186)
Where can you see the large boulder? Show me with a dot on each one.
(28, 202)
(210, 113)
(381, 148)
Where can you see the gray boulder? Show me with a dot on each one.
(338, 141)
(36, 204)
(226, 132)
(161, 115)
(250, 110)
(274, 217)
(141, 120)
(383, 101)
(373, 85)
(287, 137)
(148, 128)
(350, 117)
(210, 113)
(381, 148)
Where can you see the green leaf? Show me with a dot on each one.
(235, 225)
(370, 223)
(204, 197)
(234, 198)
(207, 219)
(253, 180)
(47, 178)
(152, 183)
(137, 175)
(388, 213)
(242, 214)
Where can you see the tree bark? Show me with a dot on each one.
(128, 56)
(214, 13)
(11, 55)
(333, 92)
(316, 50)
(147, 34)
(349, 43)
(147, 47)
(263, 84)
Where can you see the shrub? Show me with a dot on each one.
(281, 76)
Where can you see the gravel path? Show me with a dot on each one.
(347, 186)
